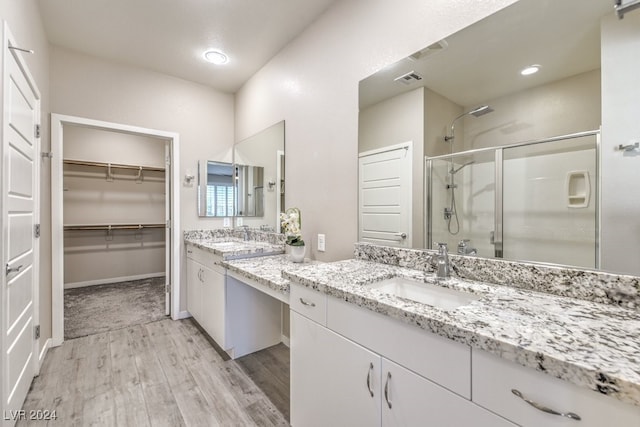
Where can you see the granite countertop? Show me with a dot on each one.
(589, 344)
(232, 248)
(266, 270)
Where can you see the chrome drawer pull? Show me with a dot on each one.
(369, 379)
(543, 408)
(307, 303)
(386, 389)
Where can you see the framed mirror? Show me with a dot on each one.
(446, 134)
(215, 189)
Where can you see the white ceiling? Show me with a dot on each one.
(170, 36)
(483, 61)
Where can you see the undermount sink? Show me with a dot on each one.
(425, 293)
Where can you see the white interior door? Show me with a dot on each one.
(384, 178)
(21, 106)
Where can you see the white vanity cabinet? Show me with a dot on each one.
(494, 379)
(367, 369)
(334, 381)
(206, 293)
(239, 314)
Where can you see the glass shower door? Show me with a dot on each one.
(550, 202)
(462, 202)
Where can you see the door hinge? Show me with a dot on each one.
(167, 287)
(37, 131)
(36, 230)
(167, 161)
(168, 224)
(47, 155)
(36, 332)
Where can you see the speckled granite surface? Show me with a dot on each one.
(588, 344)
(595, 286)
(231, 248)
(235, 234)
(266, 270)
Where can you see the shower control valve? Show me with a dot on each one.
(448, 213)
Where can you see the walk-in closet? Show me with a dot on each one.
(114, 210)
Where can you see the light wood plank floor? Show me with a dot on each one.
(163, 373)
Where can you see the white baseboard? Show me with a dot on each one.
(112, 280)
(285, 340)
(182, 315)
(43, 353)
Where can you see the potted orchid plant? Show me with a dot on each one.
(291, 224)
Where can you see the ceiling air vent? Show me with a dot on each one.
(408, 78)
(438, 46)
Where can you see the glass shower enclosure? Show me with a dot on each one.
(531, 201)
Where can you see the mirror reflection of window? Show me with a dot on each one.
(219, 200)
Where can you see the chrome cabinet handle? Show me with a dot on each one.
(307, 303)
(369, 379)
(386, 389)
(9, 270)
(543, 408)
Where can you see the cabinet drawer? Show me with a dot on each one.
(439, 359)
(204, 257)
(309, 303)
(495, 378)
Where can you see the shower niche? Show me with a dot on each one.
(534, 201)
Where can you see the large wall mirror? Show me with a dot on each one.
(490, 139)
(252, 187)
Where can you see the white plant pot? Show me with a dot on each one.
(296, 253)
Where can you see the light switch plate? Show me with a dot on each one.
(226, 222)
(321, 240)
(238, 222)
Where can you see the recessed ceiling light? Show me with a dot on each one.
(531, 69)
(216, 57)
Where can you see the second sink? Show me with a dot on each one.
(437, 296)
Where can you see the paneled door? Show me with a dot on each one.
(384, 186)
(20, 145)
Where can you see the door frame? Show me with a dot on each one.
(57, 231)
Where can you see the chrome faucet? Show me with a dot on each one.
(245, 236)
(442, 261)
(465, 249)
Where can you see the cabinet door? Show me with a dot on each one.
(411, 400)
(194, 290)
(334, 382)
(213, 305)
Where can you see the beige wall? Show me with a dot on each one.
(313, 84)
(23, 19)
(89, 87)
(620, 125)
(562, 107)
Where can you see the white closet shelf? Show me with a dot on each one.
(112, 165)
(109, 227)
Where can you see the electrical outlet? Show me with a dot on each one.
(239, 222)
(321, 240)
(226, 222)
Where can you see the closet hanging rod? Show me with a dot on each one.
(113, 165)
(113, 227)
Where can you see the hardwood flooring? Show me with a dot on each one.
(164, 373)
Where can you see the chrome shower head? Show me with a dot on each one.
(480, 111)
(476, 112)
